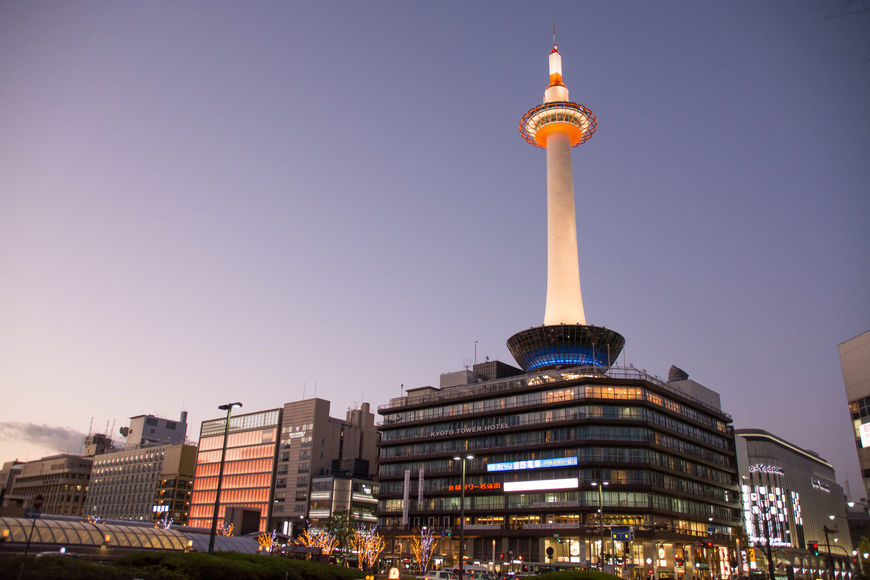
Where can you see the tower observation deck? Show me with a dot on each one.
(565, 339)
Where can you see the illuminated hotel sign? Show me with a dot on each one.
(533, 464)
(542, 484)
(761, 468)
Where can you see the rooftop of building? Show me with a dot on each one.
(429, 394)
(761, 434)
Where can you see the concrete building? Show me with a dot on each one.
(249, 466)
(151, 430)
(142, 483)
(855, 361)
(310, 441)
(348, 489)
(791, 501)
(61, 480)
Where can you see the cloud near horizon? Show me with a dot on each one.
(61, 439)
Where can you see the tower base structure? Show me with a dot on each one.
(565, 345)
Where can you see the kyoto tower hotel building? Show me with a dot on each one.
(567, 460)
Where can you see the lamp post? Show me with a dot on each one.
(462, 513)
(217, 498)
(827, 531)
(600, 486)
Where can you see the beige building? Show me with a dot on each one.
(310, 441)
(61, 480)
(142, 483)
(855, 360)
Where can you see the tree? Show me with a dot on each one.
(318, 538)
(423, 545)
(343, 529)
(268, 542)
(368, 544)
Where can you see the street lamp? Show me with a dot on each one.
(462, 512)
(600, 486)
(827, 531)
(217, 498)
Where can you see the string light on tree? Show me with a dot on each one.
(423, 545)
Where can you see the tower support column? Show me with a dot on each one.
(564, 301)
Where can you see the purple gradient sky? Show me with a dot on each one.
(213, 201)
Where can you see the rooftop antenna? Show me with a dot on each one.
(315, 388)
(554, 36)
(475, 352)
(91, 427)
(304, 386)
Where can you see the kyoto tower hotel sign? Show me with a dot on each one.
(565, 340)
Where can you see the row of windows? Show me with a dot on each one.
(588, 499)
(241, 423)
(237, 496)
(241, 439)
(581, 412)
(860, 408)
(564, 434)
(238, 454)
(552, 397)
(615, 476)
(212, 469)
(585, 455)
(234, 481)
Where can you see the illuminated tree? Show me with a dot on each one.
(318, 538)
(368, 544)
(226, 529)
(268, 542)
(423, 546)
(165, 522)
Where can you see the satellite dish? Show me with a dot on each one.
(124, 431)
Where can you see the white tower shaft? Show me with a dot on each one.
(564, 301)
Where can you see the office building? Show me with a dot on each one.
(855, 361)
(142, 483)
(792, 503)
(348, 490)
(151, 430)
(61, 480)
(310, 441)
(249, 466)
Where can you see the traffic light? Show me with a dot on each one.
(814, 547)
(708, 544)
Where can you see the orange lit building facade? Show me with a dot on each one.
(249, 467)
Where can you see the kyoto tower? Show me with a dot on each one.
(565, 339)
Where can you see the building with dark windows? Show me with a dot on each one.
(61, 480)
(142, 483)
(563, 459)
(348, 490)
(855, 361)
(792, 503)
(249, 468)
(310, 441)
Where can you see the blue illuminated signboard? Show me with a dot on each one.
(533, 464)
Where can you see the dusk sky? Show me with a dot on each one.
(204, 202)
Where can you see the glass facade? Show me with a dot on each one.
(539, 441)
(249, 467)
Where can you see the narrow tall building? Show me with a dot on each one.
(855, 361)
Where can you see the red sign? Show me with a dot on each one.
(469, 486)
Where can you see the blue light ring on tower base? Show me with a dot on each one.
(565, 345)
